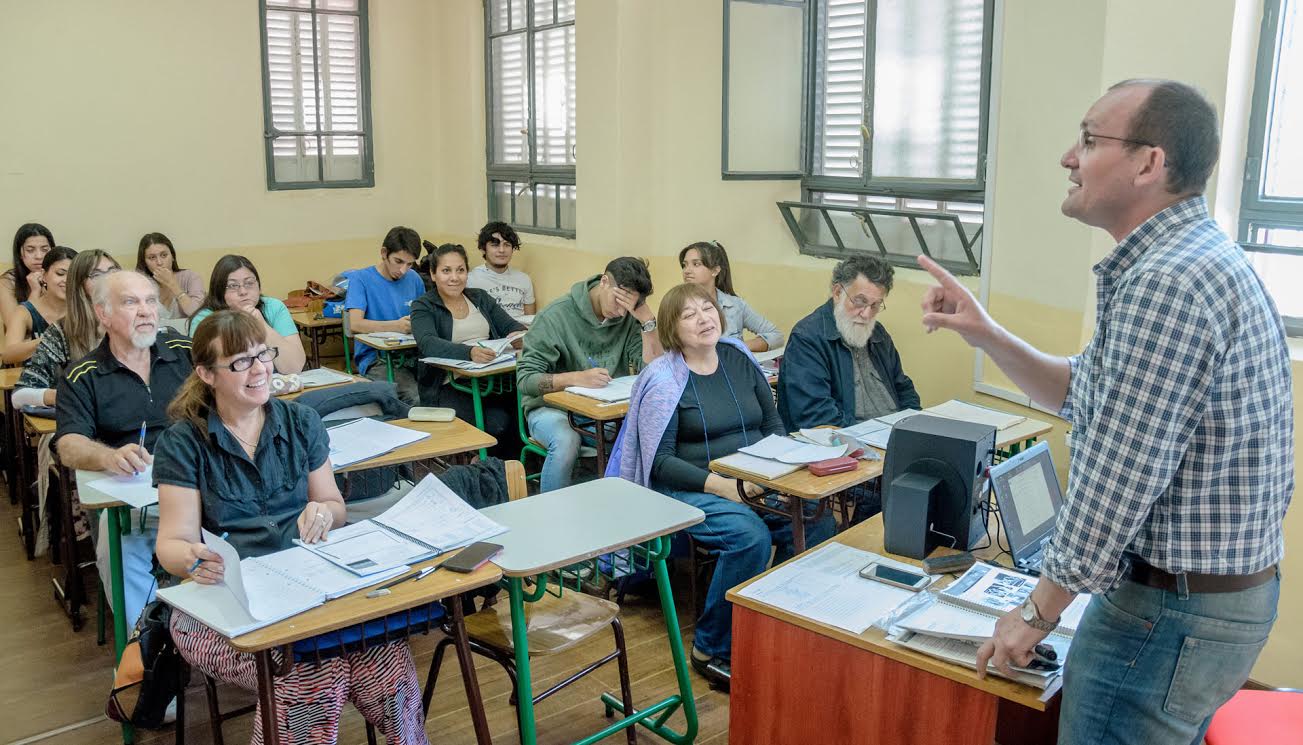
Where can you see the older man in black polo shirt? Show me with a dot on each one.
(118, 392)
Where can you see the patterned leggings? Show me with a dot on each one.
(380, 682)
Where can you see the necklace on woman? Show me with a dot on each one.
(249, 447)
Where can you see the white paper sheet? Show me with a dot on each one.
(434, 515)
(771, 354)
(761, 467)
(972, 413)
(137, 491)
(366, 548)
(825, 586)
(787, 450)
(619, 389)
(367, 438)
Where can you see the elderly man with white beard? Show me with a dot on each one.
(840, 366)
(113, 406)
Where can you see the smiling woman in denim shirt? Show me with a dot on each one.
(240, 462)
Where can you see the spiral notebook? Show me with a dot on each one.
(259, 591)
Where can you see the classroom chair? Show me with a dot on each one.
(1258, 717)
(556, 623)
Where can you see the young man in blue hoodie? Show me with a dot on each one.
(601, 329)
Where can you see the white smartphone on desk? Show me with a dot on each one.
(909, 579)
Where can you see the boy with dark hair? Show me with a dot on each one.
(602, 328)
(380, 299)
(512, 288)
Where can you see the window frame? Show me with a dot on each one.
(1256, 211)
(531, 172)
(269, 131)
(965, 190)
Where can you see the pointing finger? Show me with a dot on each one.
(938, 273)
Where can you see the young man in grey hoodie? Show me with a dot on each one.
(601, 329)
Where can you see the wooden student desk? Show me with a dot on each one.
(575, 405)
(785, 495)
(557, 529)
(385, 348)
(318, 330)
(500, 378)
(354, 609)
(798, 681)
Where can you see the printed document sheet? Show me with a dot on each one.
(367, 438)
(825, 586)
(137, 491)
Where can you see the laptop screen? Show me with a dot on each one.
(1028, 495)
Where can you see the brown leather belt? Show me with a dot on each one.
(1152, 576)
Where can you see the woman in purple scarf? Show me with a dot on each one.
(704, 399)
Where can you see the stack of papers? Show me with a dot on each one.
(874, 432)
(763, 468)
(427, 522)
(619, 389)
(965, 613)
(825, 585)
(788, 450)
(501, 346)
(323, 376)
(967, 412)
(387, 338)
(502, 361)
(366, 438)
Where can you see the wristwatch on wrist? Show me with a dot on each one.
(1031, 616)
(648, 326)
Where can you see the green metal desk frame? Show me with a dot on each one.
(651, 553)
(478, 388)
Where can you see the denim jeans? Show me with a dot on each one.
(553, 431)
(740, 539)
(1147, 666)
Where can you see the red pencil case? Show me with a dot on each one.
(834, 465)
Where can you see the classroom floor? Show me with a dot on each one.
(55, 680)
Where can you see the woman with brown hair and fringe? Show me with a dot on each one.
(705, 264)
(258, 468)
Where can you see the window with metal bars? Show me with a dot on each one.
(530, 102)
(316, 94)
(891, 145)
(1271, 205)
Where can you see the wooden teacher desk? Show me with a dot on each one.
(798, 681)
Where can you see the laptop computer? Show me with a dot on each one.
(1029, 498)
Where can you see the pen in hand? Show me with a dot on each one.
(384, 589)
(142, 442)
(200, 561)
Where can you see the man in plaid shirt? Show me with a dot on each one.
(1182, 435)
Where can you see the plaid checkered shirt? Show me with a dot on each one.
(1181, 412)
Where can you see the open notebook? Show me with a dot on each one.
(619, 389)
(430, 520)
(260, 591)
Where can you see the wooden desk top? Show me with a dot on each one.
(39, 425)
(588, 407)
(804, 484)
(356, 607)
(308, 320)
(9, 378)
(868, 536)
(296, 394)
(558, 528)
(446, 438)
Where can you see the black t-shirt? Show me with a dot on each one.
(738, 410)
(103, 400)
(256, 501)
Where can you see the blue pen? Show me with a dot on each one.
(142, 441)
(200, 561)
(592, 362)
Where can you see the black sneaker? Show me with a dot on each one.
(717, 671)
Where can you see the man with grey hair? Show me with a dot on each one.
(113, 405)
(840, 366)
(1182, 435)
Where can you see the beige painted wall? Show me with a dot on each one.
(147, 115)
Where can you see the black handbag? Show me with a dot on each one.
(148, 677)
